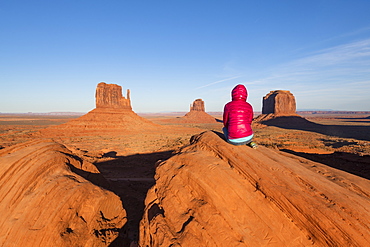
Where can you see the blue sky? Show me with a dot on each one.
(171, 52)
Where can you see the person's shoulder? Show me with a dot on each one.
(228, 103)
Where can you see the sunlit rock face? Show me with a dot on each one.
(279, 102)
(197, 113)
(110, 96)
(212, 193)
(198, 105)
(45, 202)
(113, 114)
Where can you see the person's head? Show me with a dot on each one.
(239, 93)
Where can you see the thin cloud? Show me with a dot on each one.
(228, 79)
(340, 54)
(340, 63)
(330, 77)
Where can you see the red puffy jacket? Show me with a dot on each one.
(238, 114)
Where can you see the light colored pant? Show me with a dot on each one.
(237, 141)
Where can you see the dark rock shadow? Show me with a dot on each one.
(348, 162)
(337, 144)
(299, 123)
(358, 121)
(220, 134)
(130, 177)
(353, 118)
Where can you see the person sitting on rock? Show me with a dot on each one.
(237, 118)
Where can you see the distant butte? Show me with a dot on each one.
(110, 96)
(197, 113)
(113, 113)
(277, 103)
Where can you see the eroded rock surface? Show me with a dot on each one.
(198, 105)
(197, 113)
(110, 96)
(113, 113)
(215, 194)
(279, 102)
(44, 203)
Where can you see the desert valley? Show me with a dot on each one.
(113, 177)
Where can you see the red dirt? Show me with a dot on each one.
(126, 155)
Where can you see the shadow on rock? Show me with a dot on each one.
(337, 144)
(130, 177)
(351, 163)
(299, 123)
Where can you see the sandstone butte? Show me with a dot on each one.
(212, 193)
(197, 114)
(113, 113)
(277, 103)
(44, 202)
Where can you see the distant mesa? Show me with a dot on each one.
(113, 113)
(197, 113)
(276, 104)
(198, 105)
(110, 96)
(279, 102)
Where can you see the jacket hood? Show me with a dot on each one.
(239, 93)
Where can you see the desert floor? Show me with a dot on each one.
(128, 160)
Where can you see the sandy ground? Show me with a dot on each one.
(128, 160)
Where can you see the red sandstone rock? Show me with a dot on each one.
(215, 194)
(197, 114)
(113, 113)
(198, 105)
(110, 96)
(44, 203)
(279, 102)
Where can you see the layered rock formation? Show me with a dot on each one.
(215, 194)
(198, 105)
(197, 113)
(44, 203)
(113, 113)
(110, 96)
(279, 102)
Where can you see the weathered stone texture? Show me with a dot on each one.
(279, 102)
(44, 203)
(197, 113)
(110, 96)
(198, 105)
(212, 193)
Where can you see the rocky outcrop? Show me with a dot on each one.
(212, 193)
(197, 114)
(113, 114)
(45, 203)
(279, 102)
(110, 96)
(198, 105)
(276, 104)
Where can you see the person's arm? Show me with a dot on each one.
(250, 113)
(225, 116)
